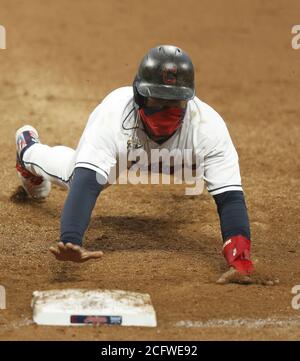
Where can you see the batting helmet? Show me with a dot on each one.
(165, 72)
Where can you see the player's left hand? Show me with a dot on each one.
(74, 253)
(234, 276)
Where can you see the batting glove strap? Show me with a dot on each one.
(236, 250)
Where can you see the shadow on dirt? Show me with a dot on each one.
(148, 233)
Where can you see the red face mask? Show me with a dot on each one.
(162, 122)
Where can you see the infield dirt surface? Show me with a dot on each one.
(62, 58)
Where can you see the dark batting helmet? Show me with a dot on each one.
(166, 72)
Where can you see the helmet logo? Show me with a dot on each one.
(169, 75)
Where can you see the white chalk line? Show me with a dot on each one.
(247, 322)
(214, 323)
(15, 325)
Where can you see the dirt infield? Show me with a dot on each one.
(62, 58)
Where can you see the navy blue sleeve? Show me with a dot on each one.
(79, 205)
(233, 214)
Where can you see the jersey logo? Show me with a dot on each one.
(169, 75)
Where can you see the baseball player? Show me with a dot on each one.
(159, 111)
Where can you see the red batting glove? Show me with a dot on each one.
(236, 250)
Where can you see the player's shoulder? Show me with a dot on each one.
(117, 100)
(119, 94)
(113, 105)
(207, 119)
(208, 115)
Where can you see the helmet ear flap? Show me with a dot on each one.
(139, 100)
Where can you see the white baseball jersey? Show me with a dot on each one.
(112, 124)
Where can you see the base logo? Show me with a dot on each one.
(96, 320)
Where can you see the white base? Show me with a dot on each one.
(75, 307)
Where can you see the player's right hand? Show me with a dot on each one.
(74, 253)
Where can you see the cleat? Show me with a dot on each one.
(35, 186)
(25, 138)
